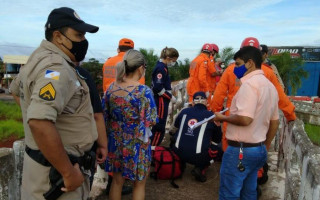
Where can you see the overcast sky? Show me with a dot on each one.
(155, 24)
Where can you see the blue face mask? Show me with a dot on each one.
(240, 71)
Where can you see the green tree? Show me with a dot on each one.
(180, 71)
(151, 60)
(226, 55)
(95, 69)
(291, 70)
(1, 68)
(1, 65)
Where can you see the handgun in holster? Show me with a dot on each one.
(87, 161)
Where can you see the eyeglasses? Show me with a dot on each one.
(144, 66)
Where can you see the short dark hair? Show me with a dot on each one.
(49, 32)
(249, 52)
(264, 48)
(124, 48)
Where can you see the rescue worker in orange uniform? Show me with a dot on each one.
(109, 67)
(212, 72)
(198, 72)
(266, 61)
(229, 85)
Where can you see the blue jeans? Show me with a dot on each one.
(241, 185)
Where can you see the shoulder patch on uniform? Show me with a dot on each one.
(52, 74)
(159, 76)
(47, 92)
(191, 122)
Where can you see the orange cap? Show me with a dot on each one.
(126, 42)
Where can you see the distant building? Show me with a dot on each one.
(311, 57)
(12, 64)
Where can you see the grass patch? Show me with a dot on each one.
(313, 132)
(10, 110)
(11, 127)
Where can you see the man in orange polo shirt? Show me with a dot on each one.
(253, 123)
(109, 67)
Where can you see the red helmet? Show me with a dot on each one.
(215, 48)
(207, 47)
(250, 41)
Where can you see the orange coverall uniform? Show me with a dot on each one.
(109, 71)
(211, 80)
(228, 87)
(198, 75)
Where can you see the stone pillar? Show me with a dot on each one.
(15, 183)
(6, 171)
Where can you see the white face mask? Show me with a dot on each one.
(171, 64)
(223, 66)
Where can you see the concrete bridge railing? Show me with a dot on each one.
(179, 91)
(11, 163)
(300, 159)
(308, 112)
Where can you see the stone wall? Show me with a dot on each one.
(301, 161)
(308, 112)
(6, 171)
(179, 91)
(11, 160)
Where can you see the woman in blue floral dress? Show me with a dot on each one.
(130, 113)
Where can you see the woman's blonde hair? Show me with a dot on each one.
(169, 52)
(132, 60)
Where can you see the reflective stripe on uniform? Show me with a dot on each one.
(180, 130)
(200, 137)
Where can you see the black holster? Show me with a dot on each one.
(86, 162)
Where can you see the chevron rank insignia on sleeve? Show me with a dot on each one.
(47, 92)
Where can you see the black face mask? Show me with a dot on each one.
(79, 49)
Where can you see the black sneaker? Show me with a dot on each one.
(196, 172)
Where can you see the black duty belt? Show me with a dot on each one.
(238, 144)
(37, 156)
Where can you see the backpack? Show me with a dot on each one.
(166, 164)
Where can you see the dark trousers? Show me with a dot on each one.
(201, 160)
(159, 129)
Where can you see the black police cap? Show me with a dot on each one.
(201, 94)
(67, 17)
